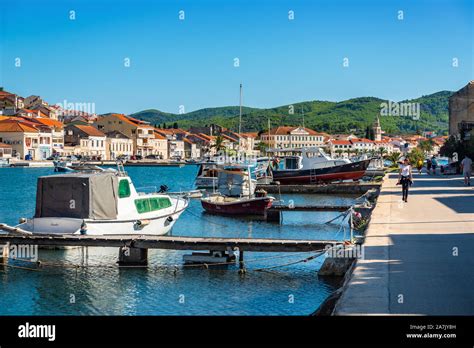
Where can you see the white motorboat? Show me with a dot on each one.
(100, 203)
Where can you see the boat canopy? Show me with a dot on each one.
(77, 195)
(234, 183)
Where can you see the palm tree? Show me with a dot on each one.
(339, 152)
(426, 146)
(219, 143)
(394, 157)
(382, 152)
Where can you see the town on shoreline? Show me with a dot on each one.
(33, 129)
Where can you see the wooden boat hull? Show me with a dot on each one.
(253, 206)
(349, 171)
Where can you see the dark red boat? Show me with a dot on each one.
(236, 193)
(237, 205)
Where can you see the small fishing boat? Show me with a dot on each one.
(100, 203)
(4, 162)
(312, 166)
(207, 175)
(67, 167)
(236, 194)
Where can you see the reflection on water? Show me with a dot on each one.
(165, 287)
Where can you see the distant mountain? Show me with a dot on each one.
(325, 116)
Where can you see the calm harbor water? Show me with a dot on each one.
(165, 287)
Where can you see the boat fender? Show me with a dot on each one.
(142, 223)
(83, 229)
(22, 220)
(168, 220)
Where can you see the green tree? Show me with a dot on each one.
(416, 155)
(426, 146)
(219, 143)
(394, 157)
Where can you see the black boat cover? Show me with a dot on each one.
(77, 195)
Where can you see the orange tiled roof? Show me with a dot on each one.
(46, 122)
(250, 135)
(341, 142)
(283, 130)
(158, 135)
(90, 130)
(361, 140)
(16, 126)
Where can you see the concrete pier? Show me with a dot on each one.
(418, 256)
(129, 256)
(332, 188)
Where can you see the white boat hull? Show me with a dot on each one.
(151, 226)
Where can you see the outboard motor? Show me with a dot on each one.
(163, 189)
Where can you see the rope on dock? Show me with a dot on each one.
(174, 267)
(312, 257)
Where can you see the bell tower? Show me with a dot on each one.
(377, 130)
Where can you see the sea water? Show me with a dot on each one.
(165, 287)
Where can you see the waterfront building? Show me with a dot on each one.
(160, 145)
(57, 132)
(192, 149)
(10, 102)
(385, 144)
(461, 111)
(28, 140)
(362, 145)
(91, 141)
(292, 137)
(175, 141)
(6, 150)
(340, 148)
(142, 134)
(118, 144)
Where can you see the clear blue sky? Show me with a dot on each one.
(191, 62)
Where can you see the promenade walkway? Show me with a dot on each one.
(419, 256)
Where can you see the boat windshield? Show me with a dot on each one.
(292, 163)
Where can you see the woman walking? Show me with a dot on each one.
(405, 178)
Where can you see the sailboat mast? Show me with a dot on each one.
(302, 112)
(240, 111)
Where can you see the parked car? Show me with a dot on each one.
(153, 157)
(450, 168)
(136, 157)
(123, 158)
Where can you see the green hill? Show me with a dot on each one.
(332, 117)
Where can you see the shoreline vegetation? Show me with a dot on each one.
(325, 116)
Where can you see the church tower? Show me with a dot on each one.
(377, 130)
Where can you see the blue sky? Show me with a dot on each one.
(190, 62)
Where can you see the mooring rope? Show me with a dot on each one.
(172, 266)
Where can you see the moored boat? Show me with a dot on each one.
(236, 194)
(100, 203)
(313, 166)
